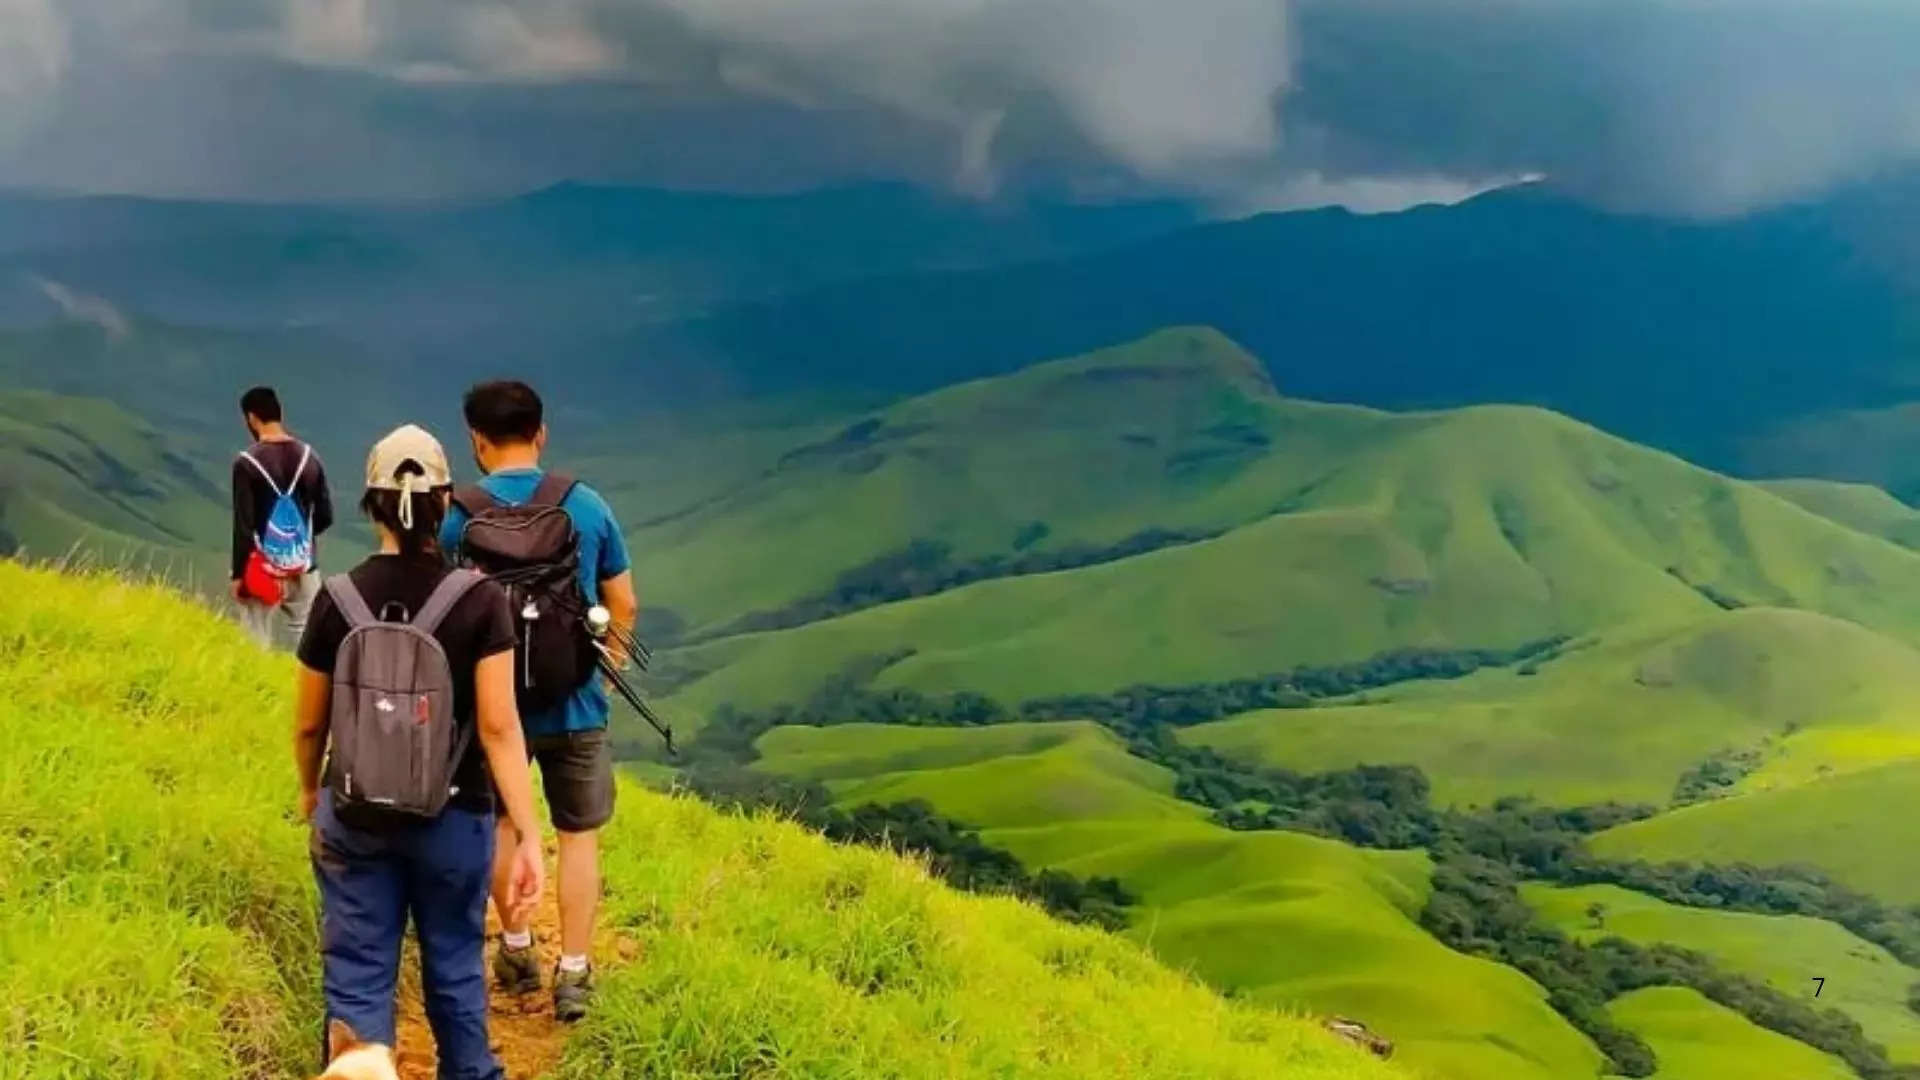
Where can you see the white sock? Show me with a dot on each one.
(573, 965)
(521, 940)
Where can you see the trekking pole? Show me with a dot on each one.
(600, 626)
(634, 699)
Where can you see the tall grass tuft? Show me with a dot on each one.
(158, 918)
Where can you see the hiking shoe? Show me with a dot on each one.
(516, 971)
(572, 993)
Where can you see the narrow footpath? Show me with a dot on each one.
(525, 1034)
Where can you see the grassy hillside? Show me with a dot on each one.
(1280, 917)
(1624, 717)
(1350, 533)
(1848, 825)
(1696, 1039)
(1788, 952)
(1172, 432)
(82, 472)
(1862, 507)
(179, 943)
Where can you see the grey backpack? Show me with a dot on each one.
(395, 742)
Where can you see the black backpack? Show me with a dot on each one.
(533, 550)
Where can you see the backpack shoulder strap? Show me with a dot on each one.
(346, 597)
(474, 499)
(247, 455)
(452, 589)
(306, 455)
(553, 490)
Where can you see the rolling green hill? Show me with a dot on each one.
(1348, 533)
(1283, 918)
(1848, 825)
(1625, 717)
(1861, 507)
(81, 474)
(1699, 1040)
(1787, 951)
(180, 941)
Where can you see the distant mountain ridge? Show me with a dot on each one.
(1706, 339)
(1783, 343)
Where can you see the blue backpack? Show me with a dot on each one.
(286, 539)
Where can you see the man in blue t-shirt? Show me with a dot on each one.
(506, 421)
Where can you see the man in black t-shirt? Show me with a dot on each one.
(276, 462)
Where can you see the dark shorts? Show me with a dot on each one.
(576, 769)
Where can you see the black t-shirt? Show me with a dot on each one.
(253, 497)
(479, 626)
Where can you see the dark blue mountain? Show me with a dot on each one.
(1694, 336)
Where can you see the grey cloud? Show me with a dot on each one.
(1697, 106)
(33, 58)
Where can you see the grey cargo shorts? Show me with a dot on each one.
(576, 770)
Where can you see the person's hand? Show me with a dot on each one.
(528, 879)
(309, 802)
(239, 590)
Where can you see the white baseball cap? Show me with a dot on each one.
(387, 466)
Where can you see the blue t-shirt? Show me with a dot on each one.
(603, 555)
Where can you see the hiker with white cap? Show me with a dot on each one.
(406, 695)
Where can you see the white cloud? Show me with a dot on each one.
(83, 307)
(533, 41)
(330, 31)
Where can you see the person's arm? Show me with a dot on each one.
(243, 530)
(322, 499)
(313, 691)
(617, 591)
(505, 746)
(622, 602)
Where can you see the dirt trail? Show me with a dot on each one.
(525, 1034)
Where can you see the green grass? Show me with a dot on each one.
(159, 916)
(1623, 718)
(1696, 1039)
(1788, 952)
(769, 953)
(1848, 824)
(1281, 918)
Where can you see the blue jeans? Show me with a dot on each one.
(370, 883)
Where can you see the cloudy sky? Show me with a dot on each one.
(1688, 106)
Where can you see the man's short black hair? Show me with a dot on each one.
(506, 411)
(262, 404)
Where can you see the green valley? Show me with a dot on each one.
(1788, 952)
(1290, 920)
(1698, 1040)
(1670, 638)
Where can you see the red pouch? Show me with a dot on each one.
(261, 583)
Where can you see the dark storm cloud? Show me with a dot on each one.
(1703, 106)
